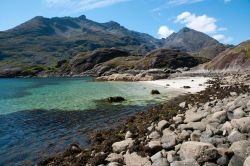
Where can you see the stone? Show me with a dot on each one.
(134, 159)
(193, 126)
(155, 92)
(115, 99)
(161, 162)
(235, 136)
(227, 127)
(186, 87)
(182, 105)
(209, 164)
(195, 136)
(221, 116)
(177, 119)
(154, 135)
(223, 161)
(208, 155)
(128, 135)
(122, 145)
(184, 135)
(162, 125)
(156, 156)
(155, 145)
(193, 150)
(247, 161)
(113, 157)
(170, 156)
(241, 151)
(238, 113)
(243, 124)
(194, 117)
(168, 139)
(188, 162)
(233, 93)
(114, 164)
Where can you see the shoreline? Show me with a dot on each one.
(103, 141)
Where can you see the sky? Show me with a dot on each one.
(225, 20)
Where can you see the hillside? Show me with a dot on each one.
(235, 58)
(44, 41)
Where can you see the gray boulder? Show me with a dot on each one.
(243, 124)
(168, 139)
(122, 145)
(241, 151)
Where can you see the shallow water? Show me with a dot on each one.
(39, 117)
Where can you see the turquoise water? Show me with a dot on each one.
(71, 93)
(40, 117)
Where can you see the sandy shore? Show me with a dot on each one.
(196, 84)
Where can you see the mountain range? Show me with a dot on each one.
(46, 41)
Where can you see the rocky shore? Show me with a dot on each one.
(208, 128)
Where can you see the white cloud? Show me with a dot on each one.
(182, 2)
(201, 23)
(223, 38)
(82, 5)
(164, 31)
(227, 1)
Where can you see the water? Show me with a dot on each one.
(39, 117)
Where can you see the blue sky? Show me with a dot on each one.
(226, 20)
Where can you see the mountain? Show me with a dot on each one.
(194, 42)
(44, 41)
(237, 57)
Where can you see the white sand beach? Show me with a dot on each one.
(196, 84)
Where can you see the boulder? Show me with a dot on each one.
(122, 145)
(113, 157)
(115, 99)
(193, 126)
(168, 139)
(247, 161)
(113, 164)
(128, 135)
(194, 150)
(186, 87)
(134, 159)
(162, 125)
(155, 145)
(221, 116)
(155, 92)
(241, 151)
(227, 127)
(195, 136)
(243, 124)
(235, 136)
(161, 162)
(193, 117)
(154, 135)
(182, 105)
(188, 162)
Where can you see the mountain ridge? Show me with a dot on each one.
(45, 41)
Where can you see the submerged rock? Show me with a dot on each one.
(115, 99)
(155, 92)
